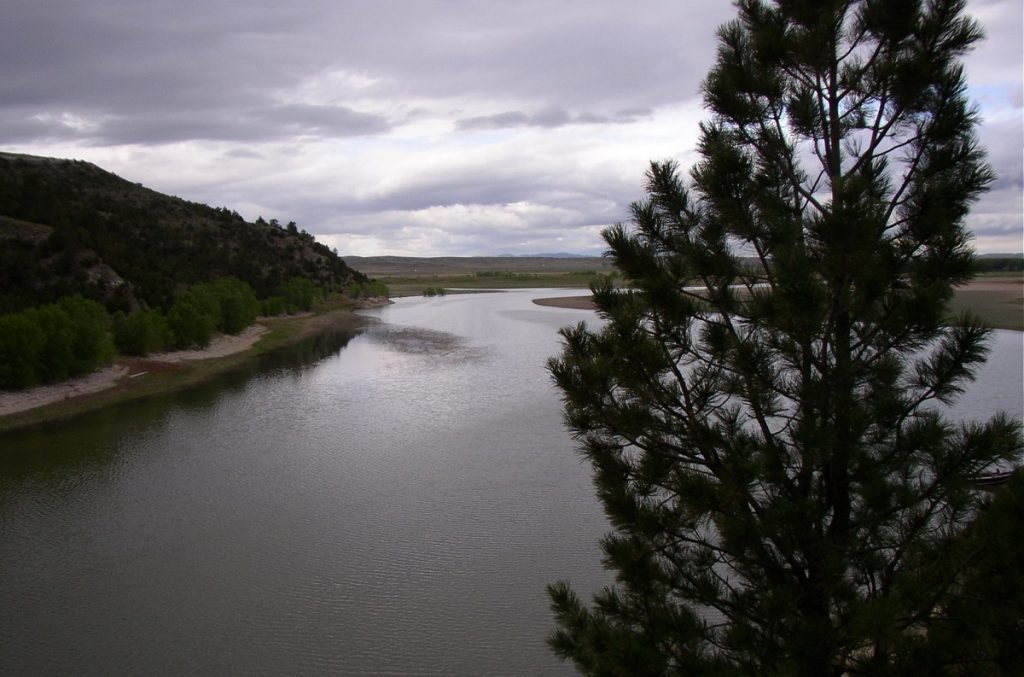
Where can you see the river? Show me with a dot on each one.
(391, 503)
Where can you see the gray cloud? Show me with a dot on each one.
(121, 59)
(549, 118)
(370, 117)
(270, 123)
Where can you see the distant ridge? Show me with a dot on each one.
(548, 255)
(389, 266)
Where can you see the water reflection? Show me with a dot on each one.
(95, 438)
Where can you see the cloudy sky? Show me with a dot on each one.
(412, 127)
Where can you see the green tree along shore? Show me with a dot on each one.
(53, 342)
(75, 336)
(786, 497)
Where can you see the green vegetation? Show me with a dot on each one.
(408, 285)
(433, 291)
(53, 342)
(785, 496)
(298, 295)
(368, 289)
(141, 333)
(75, 336)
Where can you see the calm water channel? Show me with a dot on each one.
(391, 503)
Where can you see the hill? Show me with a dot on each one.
(68, 226)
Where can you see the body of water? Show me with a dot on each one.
(391, 503)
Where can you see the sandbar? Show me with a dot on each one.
(1009, 286)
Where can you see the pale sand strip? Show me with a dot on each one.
(222, 345)
(1007, 285)
(573, 302)
(23, 400)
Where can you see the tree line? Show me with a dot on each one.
(76, 335)
(999, 264)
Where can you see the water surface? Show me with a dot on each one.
(391, 503)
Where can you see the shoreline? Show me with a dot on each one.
(998, 300)
(130, 378)
(222, 345)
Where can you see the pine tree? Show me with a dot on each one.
(761, 406)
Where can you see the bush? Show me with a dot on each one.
(238, 304)
(93, 345)
(56, 361)
(21, 344)
(273, 305)
(228, 305)
(141, 333)
(298, 294)
(53, 342)
(190, 326)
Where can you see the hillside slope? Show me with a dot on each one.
(67, 226)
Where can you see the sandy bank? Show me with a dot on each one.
(23, 400)
(573, 302)
(222, 345)
(1013, 286)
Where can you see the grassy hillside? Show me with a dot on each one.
(70, 227)
(406, 275)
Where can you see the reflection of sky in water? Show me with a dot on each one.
(999, 383)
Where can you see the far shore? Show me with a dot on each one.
(999, 300)
(133, 377)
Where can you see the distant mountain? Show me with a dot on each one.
(547, 255)
(67, 226)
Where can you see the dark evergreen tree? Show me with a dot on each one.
(760, 406)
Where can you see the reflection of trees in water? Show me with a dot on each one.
(97, 439)
(308, 353)
(420, 341)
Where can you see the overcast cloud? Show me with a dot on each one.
(433, 127)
